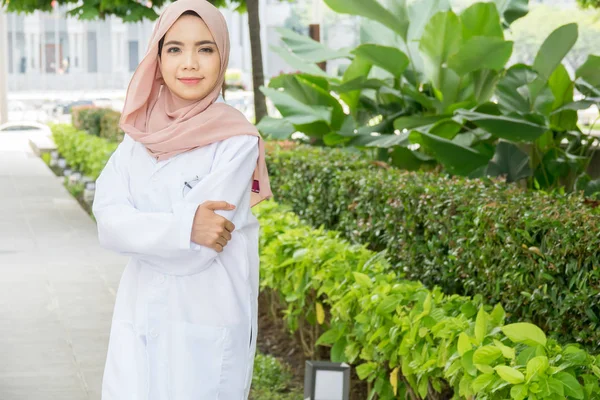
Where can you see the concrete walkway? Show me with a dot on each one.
(57, 286)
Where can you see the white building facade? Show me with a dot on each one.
(50, 52)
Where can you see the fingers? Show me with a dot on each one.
(229, 226)
(218, 205)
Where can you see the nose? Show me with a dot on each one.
(190, 61)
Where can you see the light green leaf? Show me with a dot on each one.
(481, 326)
(537, 365)
(509, 374)
(362, 279)
(518, 392)
(524, 332)
(507, 352)
(486, 355)
(464, 343)
(482, 382)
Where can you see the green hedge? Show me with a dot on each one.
(537, 254)
(399, 333)
(83, 152)
(103, 122)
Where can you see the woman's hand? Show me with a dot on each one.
(209, 228)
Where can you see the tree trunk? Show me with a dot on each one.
(258, 79)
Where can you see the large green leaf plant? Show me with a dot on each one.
(428, 86)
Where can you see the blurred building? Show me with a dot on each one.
(48, 51)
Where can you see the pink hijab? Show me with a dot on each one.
(168, 125)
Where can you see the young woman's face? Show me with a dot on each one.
(190, 62)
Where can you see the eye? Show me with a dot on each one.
(206, 50)
(172, 49)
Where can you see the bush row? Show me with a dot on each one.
(403, 337)
(102, 122)
(536, 253)
(399, 334)
(86, 153)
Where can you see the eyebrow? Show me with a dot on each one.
(175, 42)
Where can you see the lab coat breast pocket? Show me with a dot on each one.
(196, 361)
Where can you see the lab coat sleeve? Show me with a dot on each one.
(125, 229)
(230, 180)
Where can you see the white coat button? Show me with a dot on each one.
(161, 279)
(154, 178)
(153, 334)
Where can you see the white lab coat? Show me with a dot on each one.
(185, 318)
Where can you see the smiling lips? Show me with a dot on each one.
(190, 81)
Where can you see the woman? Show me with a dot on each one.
(176, 197)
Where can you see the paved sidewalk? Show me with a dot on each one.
(57, 286)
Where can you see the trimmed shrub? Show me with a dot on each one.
(87, 154)
(109, 126)
(403, 337)
(536, 253)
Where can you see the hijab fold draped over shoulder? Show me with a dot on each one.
(168, 125)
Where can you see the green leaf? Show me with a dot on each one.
(309, 49)
(509, 374)
(296, 62)
(365, 370)
(276, 128)
(389, 58)
(295, 111)
(524, 332)
(497, 316)
(550, 387)
(537, 365)
(362, 279)
(482, 382)
(519, 392)
(464, 344)
(481, 52)
(358, 68)
(507, 352)
(481, 326)
(417, 121)
(509, 161)
(486, 355)
(590, 71)
(441, 39)
(511, 10)
(571, 386)
(337, 351)
(481, 19)
(371, 9)
(554, 49)
(562, 90)
(511, 128)
(329, 337)
(455, 158)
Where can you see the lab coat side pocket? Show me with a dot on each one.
(196, 361)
